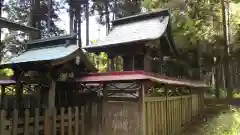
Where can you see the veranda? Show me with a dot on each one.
(127, 103)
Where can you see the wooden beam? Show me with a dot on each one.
(28, 80)
(122, 99)
(4, 23)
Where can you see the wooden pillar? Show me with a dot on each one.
(147, 62)
(167, 124)
(2, 96)
(128, 63)
(38, 96)
(18, 90)
(104, 104)
(142, 110)
(51, 91)
(201, 96)
(51, 94)
(111, 64)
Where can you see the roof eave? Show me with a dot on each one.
(143, 16)
(4, 23)
(97, 48)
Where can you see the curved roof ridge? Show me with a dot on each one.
(141, 16)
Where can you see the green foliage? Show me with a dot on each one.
(197, 23)
(6, 73)
(100, 61)
(119, 8)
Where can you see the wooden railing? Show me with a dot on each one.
(167, 115)
(63, 121)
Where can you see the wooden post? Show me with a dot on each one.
(76, 121)
(19, 92)
(142, 109)
(127, 63)
(54, 119)
(26, 122)
(201, 96)
(166, 94)
(36, 122)
(147, 62)
(15, 122)
(51, 94)
(69, 121)
(46, 123)
(2, 122)
(2, 96)
(105, 100)
(62, 121)
(82, 121)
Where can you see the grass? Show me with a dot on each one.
(220, 122)
(226, 123)
(235, 127)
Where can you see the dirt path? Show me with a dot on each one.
(215, 123)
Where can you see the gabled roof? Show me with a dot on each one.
(142, 27)
(4, 23)
(55, 48)
(134, 76)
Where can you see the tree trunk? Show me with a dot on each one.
(49, 16)
(107, 16)
(87, 23)
(226, 54)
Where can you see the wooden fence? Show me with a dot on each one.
(167, 115)
(161, 116)
(63, 121)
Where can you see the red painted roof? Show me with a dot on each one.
(136, 75)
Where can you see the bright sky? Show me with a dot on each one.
(96, 31)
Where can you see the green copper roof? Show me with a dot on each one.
(50, 49)
(44, 54)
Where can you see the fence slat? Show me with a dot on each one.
(2, 122)
(36, 122)
(54, 122)
(167, 115)
(69, 121)
(46, 122)
(15, 122)
(82, 121)
(76, 121)
(26, 122)
(62, 121)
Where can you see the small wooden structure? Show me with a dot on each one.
(133, 102)
(39, 71)
(144, 42)
(136, 102)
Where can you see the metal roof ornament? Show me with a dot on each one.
(78, 60)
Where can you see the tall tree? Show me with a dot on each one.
(116, 8)
(19, 11)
